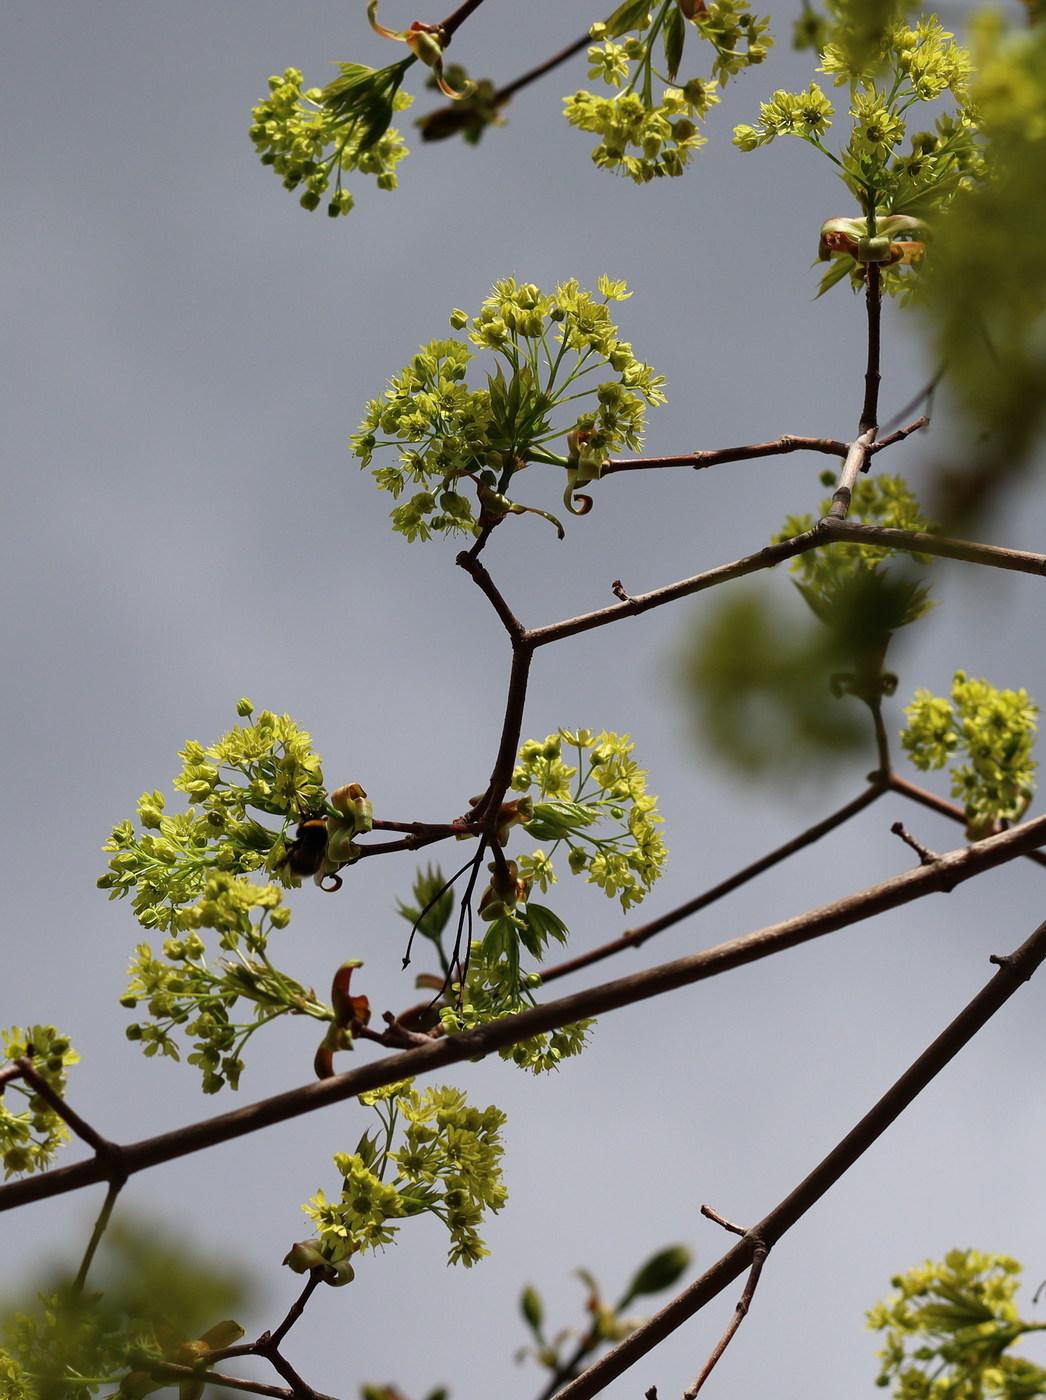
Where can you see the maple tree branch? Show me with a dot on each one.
(1013, 971)
(952, 869)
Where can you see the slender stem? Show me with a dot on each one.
(856, 461)
(759, 1254)
(458, 18)
(952, 869)
(104, 1149)
(1013, 971)
(187, 1373)
(946, 809)
(874, 304)
(100, 1226)
(634, 938)
(697, 460)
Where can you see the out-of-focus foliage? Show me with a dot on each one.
(762, 685)
(994, 730)
(987, 283)
(148, 1299)
(567, 1352)
(31, 1137)
(949, 1328)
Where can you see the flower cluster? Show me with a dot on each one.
(645, 138)
(888, 72)
(995, 730)
(309, 137)
(192, 871)
(949, 1329)
(447, 1163)
(575, 801)
(29, 1140)
(549, 349)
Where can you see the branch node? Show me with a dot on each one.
(926, 856)
(619, 592)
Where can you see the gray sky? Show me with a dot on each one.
(186, 353)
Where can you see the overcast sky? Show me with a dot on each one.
(186, 353)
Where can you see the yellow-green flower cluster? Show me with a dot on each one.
(30, 1139)
(995, 730)
(889, 69)
(268, 765)
(550, 350)
(494, 989)
(182, 992)
(949, 1330)
(647, 138)
(309, 138)
(192, 871)
(574, 803)
(447, 1163)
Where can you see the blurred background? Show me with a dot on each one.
(186, 352)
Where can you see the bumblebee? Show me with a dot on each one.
(307, 853)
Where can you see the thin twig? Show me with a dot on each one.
(926, 856)
(1013, 972)
(103, 1148)
(634, 938)
(100, 1226)
(759, 1254)
(786, 443)
(951, 870)
(168, 1370)
(874, 304)
(856, 461)
(947, 809)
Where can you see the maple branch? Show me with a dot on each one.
(1013, 971)
(952, 869)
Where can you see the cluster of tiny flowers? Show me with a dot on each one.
(268, 765)
(948, 1331)
(310, 137)
(641, 138)
(195, 871)
(493, 989)
(907, 65)
(30, 1140)
(546, 347)
(574, 802)
(447, 1163)
(876, 500)
(994, 730)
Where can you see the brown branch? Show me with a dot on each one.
(874, 305)
(443, 121)
(458, 18)
(857, 458)
(918, 542)
(759, 1254)
(169, 1370)
(947, 809)
(697, 460)
(951, 870)
(644, 602)
(898, 436)
(1013, 971)
(106, 1151)
(634, 938)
